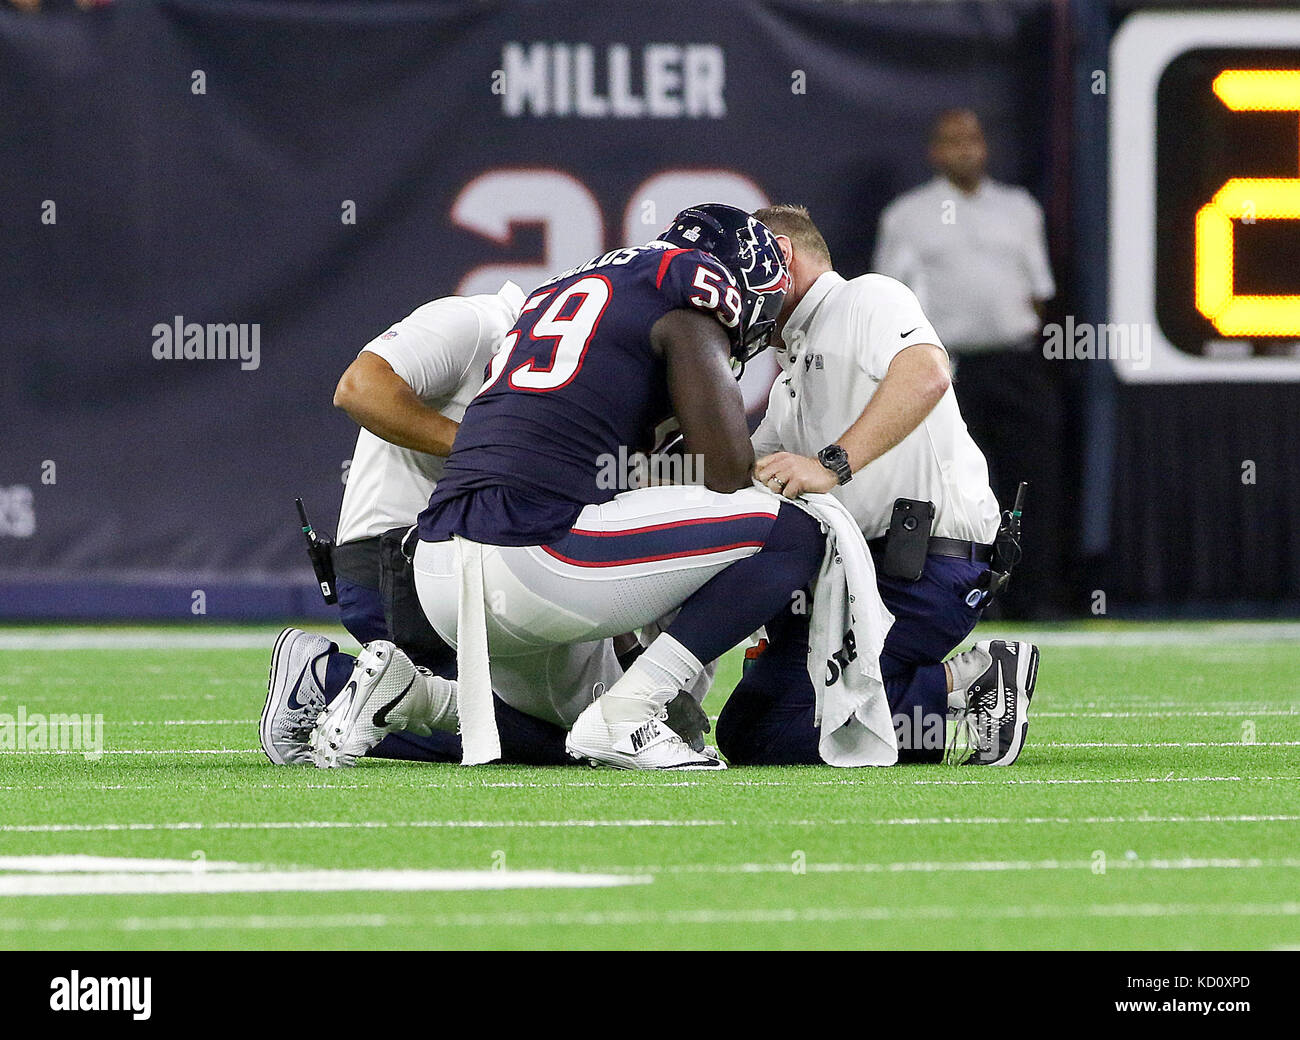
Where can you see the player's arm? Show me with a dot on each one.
(379, 399)
(916, 380)
(705, 396)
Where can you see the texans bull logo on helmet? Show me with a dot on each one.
(748, 250)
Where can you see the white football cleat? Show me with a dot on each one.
(995, 716)
(645, 743)
(386, 693)
(294, 697)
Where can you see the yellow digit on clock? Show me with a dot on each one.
(1261, 198)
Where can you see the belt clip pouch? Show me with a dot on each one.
(907, 542)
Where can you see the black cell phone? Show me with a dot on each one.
(907, 542)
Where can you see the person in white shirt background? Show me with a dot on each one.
(864, 409)
(408, 390)
(974, 252)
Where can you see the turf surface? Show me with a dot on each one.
(1157, 805)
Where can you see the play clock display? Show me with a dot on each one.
(1205, 194)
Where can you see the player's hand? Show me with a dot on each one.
(791, 475)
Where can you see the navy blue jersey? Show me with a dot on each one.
(574, 381)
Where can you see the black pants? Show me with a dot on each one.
(768, 719)
(1014, 404)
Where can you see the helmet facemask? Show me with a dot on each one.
(748, 250)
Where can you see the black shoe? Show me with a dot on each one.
(996, 716)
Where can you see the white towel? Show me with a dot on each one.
(846, 633)
(480, 742)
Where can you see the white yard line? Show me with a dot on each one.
(979, 821)
(201, 882)
(1205, 635)
(293, 825)
(1200, 635)
(99, 864)
(138, 751)
(738, 778)
(616, 782)
(971, 910)
(973, 867)
(120, 875)
(591, 824)
(147, 639)
(190, 787)
(1111, 780)
(1171, 744)
(1195, 714)
(1233, 713)
(726, 780)
(1046, 744)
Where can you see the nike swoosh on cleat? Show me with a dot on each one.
(293, 701)
(1000, 709)
(381, 716)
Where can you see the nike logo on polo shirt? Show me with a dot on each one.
(904, 335)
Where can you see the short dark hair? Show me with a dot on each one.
(950, 115)
(794, 222)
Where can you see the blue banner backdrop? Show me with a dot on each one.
(287, 179)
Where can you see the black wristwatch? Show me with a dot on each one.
(836, 459)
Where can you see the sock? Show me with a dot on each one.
(433, 703)
(332, 670)
(964, 669)
(651, 682)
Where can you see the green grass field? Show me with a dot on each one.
(1157, 806)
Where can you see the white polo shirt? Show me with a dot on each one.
(440, 351)
(976, 262)
(839, 343)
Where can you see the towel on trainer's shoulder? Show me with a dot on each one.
(846, 633)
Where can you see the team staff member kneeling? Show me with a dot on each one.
(864, 410)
